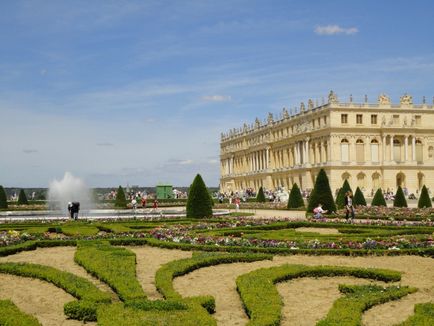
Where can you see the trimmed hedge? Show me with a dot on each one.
(77, 286)
(199, 204)
(260, 197)
(340, 198)
(22, 198)
(295, 199)
(3, 198)
(359, 199)
(113, 265)
(11, 315)
(348, 310)
(321, 193)
(378, 199)
(424, 199)
(423, 315)
(263, 303)
(121, 200)
(399, 200)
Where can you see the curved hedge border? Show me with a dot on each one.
(11, 315)
(423, 315)
(112, 265)
(348, 310)
(165, 275)
(261, 300)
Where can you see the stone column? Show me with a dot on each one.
(267, 154)
(413, 148)
(307, 152)
(383, 147)
(296, 154)
(391, 148)
(406, 148)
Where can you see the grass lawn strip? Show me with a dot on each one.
(423, 315)
(348, 310)
(262, 301)
(11, 315)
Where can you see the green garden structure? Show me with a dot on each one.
(164, 191)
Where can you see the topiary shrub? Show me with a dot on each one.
(321, 193)
(121, 200)
(199, 203)
(399, 198)
(22, 198)
(359, 199)
(378, 199)
(424, 200)
(340, 198)
(260, 197)
(3, 198)
(295, 199)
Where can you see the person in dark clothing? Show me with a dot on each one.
(349, 205)
(73, 209)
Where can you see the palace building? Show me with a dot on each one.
(372, 145)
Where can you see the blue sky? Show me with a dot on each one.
(138, 92)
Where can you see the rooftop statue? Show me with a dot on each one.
(333, 97)
(406, 99)
(310, 105)
(383, 99)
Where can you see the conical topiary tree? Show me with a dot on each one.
(3, 198)
(399, 198)
(260, 197)
(199, 203)
(340, 198)
(378, 199)
(295, 199)
(22, 198)
(321, 194)
(424, 200)
(359, 198)
(121, 200)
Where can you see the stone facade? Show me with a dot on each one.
(372, 145)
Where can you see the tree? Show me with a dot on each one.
(399, 198)
(359, 198)
(424, 200)
(3, 198)
(295, 199)
(321, 194)
(340, 198)
(378, 199)
(260, 197)
(22, 198)
(121, 200)
(199, 202)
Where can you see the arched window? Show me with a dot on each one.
(361, 180)
(345, 157)
(420, 180)
(360, 151)
(396, 150)
(376, 181)
(419, 151)
(374, 151)
(346, 176)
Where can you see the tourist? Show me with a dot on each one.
(237, 204)
(143, 201)
(155, 204)
(318, 211)
(349, 209)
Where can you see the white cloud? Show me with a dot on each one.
(186, 162)
(334, 30)
(216, 98)
(30, 151)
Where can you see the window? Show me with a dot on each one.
(374, 150)
(345, 150)
(395, 119)
(430, 152)
(419, 151)
(319, 122)
(360, 151)
(325, 120)
(313, 123)
(373, 119)
(359, 119)
(344, 118)
(418, 119)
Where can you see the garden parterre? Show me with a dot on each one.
(116, 266)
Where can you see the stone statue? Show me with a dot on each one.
(245, 127)
(366, 98)
(302, 107)
(285, 113)
(383, 99)
(333, 97)
(310, 105)
(270, 118)
(406, 99)
(413, 120)
(405, 122)
(383, 120)
(351, 98)
(423, 100)
(257, 123)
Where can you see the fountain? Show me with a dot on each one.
(69, 189)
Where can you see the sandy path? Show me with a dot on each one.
(318, 230)
(219, 281)
(37, 298)
(61, 258)
(149, 260)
